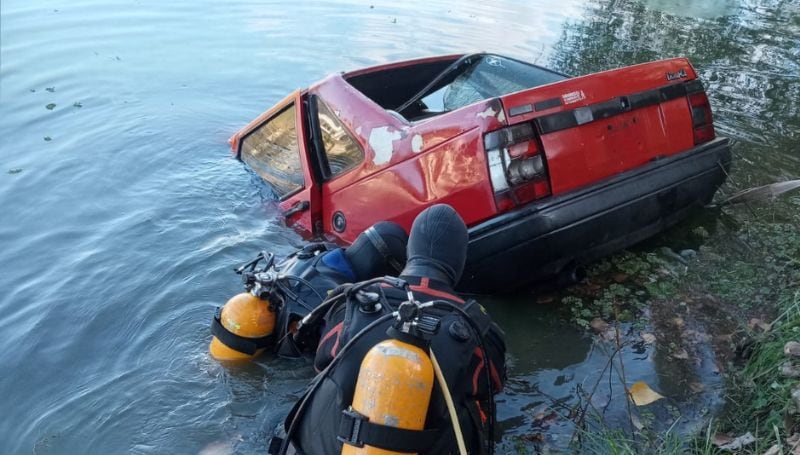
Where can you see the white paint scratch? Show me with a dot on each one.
(358, 130)
(416, 143)
(489, 112)
(380, 140)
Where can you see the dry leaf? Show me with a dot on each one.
(796, 397)
(610, 334)
(774, 450)
(755, 322)
(544, 418)
(792, 349)
(599, 325)
(728, 338)
(641, 394)
(545, 299)
(721, 439)
(696, 387)
(681, 355)
(648, 338)
(637, 423)
(789, 371)
(793, 439)
(736, 443)
(534, 437)
(678, 322)
(620, 277)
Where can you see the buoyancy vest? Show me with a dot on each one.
(321, 267)
(461, 358)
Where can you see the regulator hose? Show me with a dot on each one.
(487, 373)
(440, 376)
(324, 373)
(451, 408)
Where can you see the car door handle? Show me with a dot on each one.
(299, 206)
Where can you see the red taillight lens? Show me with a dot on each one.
(702, 120)
(516, 166)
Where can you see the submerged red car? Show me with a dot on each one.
(548, 171)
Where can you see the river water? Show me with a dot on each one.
(123, 212)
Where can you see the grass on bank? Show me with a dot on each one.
(749, 267)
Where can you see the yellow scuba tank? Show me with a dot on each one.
(395, 381)
(393, 388)
(250, 320)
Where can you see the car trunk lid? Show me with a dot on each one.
(573, 133)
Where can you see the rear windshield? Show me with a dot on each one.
(451, 84)
(489, 77)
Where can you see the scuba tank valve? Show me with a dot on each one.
(245, 324)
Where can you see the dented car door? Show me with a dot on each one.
(275, 147)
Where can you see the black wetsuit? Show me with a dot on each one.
(436, 255)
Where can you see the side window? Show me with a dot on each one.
(272, 151)
(342, 151)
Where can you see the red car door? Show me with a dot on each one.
(275, 147)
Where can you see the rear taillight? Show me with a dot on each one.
(516, 166)
(702, 121)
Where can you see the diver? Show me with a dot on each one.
(279, 295)
(420, 310)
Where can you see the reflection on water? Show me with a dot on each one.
(749, 59)
(708, 9)
(123, 213)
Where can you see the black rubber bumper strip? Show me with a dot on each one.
(238, 343)
(587, 114)
(534, 241)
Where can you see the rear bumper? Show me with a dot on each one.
(537, 241)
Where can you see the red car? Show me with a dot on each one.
(548, 171)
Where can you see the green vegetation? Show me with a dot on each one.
(742, 284)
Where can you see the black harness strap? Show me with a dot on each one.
(356, 430)
(237, 343)
(382, 248)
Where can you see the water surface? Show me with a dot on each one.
(123, 213)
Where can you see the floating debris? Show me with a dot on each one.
(789, 371)
(680, 354)
(696, 387)
(648, 338)
(77, 104)
(641, 394)
(51, 106)
(762, 193)
(758, 323)
(599, 325)
(726, 442)
(791, 349)
(16, 170)
(51, 89)
(48, 138)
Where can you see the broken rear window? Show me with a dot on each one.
(489, 77)
(426, 89)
